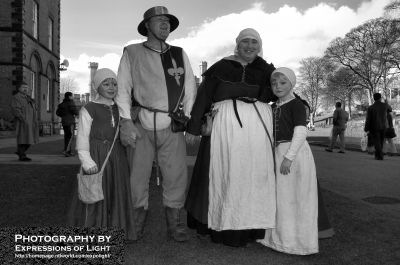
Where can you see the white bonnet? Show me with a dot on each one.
(286, 72)
(101, 75)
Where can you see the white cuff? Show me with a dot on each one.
(86, 160)
(299, 136)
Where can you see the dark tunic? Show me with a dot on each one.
(116, 209)
(222, 81)
(288, 116)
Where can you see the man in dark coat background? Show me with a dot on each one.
(23, 108)
(376, 123)
(340, 118)
(67, 111)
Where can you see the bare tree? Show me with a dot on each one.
(341, 87)
(69, 84)
(368, 50)
(392, 10)
(313, 75)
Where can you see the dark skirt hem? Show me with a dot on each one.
(232, 238)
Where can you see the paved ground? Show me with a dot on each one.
(12, 159)
(318, 137)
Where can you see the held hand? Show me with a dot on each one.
(133, 136)
(129, 133)
(93, 170)
(285, 166)
(190, 138)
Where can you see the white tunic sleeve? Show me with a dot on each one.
(299, 136)
(190, 86)
(125, 85)
(82, 139)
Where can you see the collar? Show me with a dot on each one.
(97, 102)
(280, 103)
(155, 50)
(21, 95)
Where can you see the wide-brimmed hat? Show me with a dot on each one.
(157, 11)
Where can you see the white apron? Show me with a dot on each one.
(242, 181)
(296, 229)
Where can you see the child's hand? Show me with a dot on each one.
(133, 136)
(93, 170)
(127, 128)
(285, 166)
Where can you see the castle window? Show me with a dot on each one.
(33, 84)
(35, 19)
(48, 95)
(50, 34)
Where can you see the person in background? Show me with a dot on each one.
(97, 126)
(27, 128)
(370, 144)
(376, 123)
(67, 111)
(340, 118)
(389, 135)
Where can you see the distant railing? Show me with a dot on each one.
(357, 130)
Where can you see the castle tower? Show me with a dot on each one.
(203, 68)
(93, 69)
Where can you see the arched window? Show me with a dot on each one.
(33, 84)
(48, 95)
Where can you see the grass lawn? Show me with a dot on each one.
(38, 195)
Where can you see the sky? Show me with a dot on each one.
(291, 30)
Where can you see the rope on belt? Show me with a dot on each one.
(244, 99)
(269, 137)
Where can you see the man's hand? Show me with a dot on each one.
(285, 166)
(190, 138)
(129, 133)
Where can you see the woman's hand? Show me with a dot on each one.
(93, 170)
(285, 166)
(190, 138)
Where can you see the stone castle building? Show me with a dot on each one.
(93, 69)
(30, 52)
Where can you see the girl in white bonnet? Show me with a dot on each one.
(296, 229)
(98, 122)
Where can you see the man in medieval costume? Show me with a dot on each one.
(155, 82)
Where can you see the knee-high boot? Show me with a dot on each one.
(140, 217)
(175, 231)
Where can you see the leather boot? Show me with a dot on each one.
(140, 217)
(175, 231)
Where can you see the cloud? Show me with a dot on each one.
(288, 35)
(79, 67)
